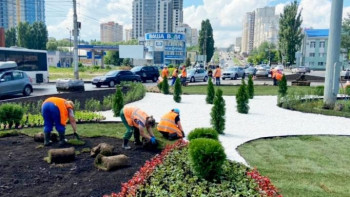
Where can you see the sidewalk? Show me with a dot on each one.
(265, 119)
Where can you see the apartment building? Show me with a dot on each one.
(266, 26)
(111, 32)
(248, 33)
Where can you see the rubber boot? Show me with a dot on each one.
(125, 144)
(63, 139)
(137, 137)
(47, 141)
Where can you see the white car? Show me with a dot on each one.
(345, 74)
(233, 72)
(262, 72)
(194, 75)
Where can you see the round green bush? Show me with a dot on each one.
(206, 157)
(209, 133)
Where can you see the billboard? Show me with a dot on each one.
(165, 36)
(131, 51)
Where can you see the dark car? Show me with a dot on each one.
(14, 82)
(115, 77)
(146, 72)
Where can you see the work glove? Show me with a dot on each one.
(76, 135)
(183, 134)
(153, 140)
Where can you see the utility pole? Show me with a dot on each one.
(205, 48)
(75, 35)
(333, 65)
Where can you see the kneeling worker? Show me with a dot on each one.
(56, 111)
(170, 125)
(136, 121)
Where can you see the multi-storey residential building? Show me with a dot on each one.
(163, 16)
(111, 32)
(248, 33)
(156, 16)
(187, 30)
(314, 49)
(128, 34)
(194, 38)
(266, 26)
(14, 11)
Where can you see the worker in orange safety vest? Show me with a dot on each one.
(183, 76)
(56, 111)
(165, 72)
(170, 125)
(217, 75)
(136, 121)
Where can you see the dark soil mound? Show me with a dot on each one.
(25, 173)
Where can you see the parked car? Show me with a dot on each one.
(301, 69)
(115, 77)
(233, 73)
(262, 72)
(194, 75)
(279, 67)
(146, 72)
(15, 82)
(345, 74)
(250, 71)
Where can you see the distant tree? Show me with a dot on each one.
(126, 62)
(51, 46)
(41, 35)
(206, 40)
(188, 62)
(290, 32)
(32, 36)
(24, 34)
(11, 37)
(346, 34)
(112, 57)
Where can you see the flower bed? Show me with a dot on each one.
(170, 174)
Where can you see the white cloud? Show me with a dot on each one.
(226, 16)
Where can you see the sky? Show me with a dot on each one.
(226, 16)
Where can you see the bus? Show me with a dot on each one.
(33, 62)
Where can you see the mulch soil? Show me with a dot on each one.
(23, 172)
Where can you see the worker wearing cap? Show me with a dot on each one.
(56, 111)
(136, 121)
(170, 125)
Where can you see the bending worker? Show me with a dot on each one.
(56, 111)
(136, 121)
(170, 126)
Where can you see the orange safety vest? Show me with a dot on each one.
(167, 124)
(184, 73)
(165, 73)
(218, 73)
(134, 113)
(175, 73)
(62, 106)
(278, 76)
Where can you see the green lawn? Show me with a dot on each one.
(115, 130)
(312, 166)
(232, 90)
(86, 74)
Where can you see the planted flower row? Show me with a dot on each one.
(266, 188)
(140, 177)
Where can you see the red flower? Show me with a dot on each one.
(266, 188)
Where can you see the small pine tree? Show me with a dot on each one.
(210, 92)
(242, 99)
(282, 87)
(177, 91)
(118, 102)
(250, 87)
(218, 113)
(165, 86)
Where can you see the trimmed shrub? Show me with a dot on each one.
(250, 87)
(136, 92)
(347, 90)
(319, 90)
(210, 92)
(11, 114)
(165, 86)
(218, 113)
(282, 87)
(92, 105)
(118, 102)
(159, 85)
(206, 157)
(242, 99)
(177, 91)
(209, 133)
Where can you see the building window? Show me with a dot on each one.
(320, 63)
(312, 55)
(311, 63)
(312, 44)
(322, 44)
(322, 54)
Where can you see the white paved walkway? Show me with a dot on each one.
(264, 119)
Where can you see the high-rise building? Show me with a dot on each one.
(194, 38)
(156, 16)
(239, 42)
(111, 32)
(128, 33)
(187, 30)
(163, 16)
(248, 33)
(14, 11)
(266, 26)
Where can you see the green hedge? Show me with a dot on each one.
(10, 114)
(206, 157)
(209, 133)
